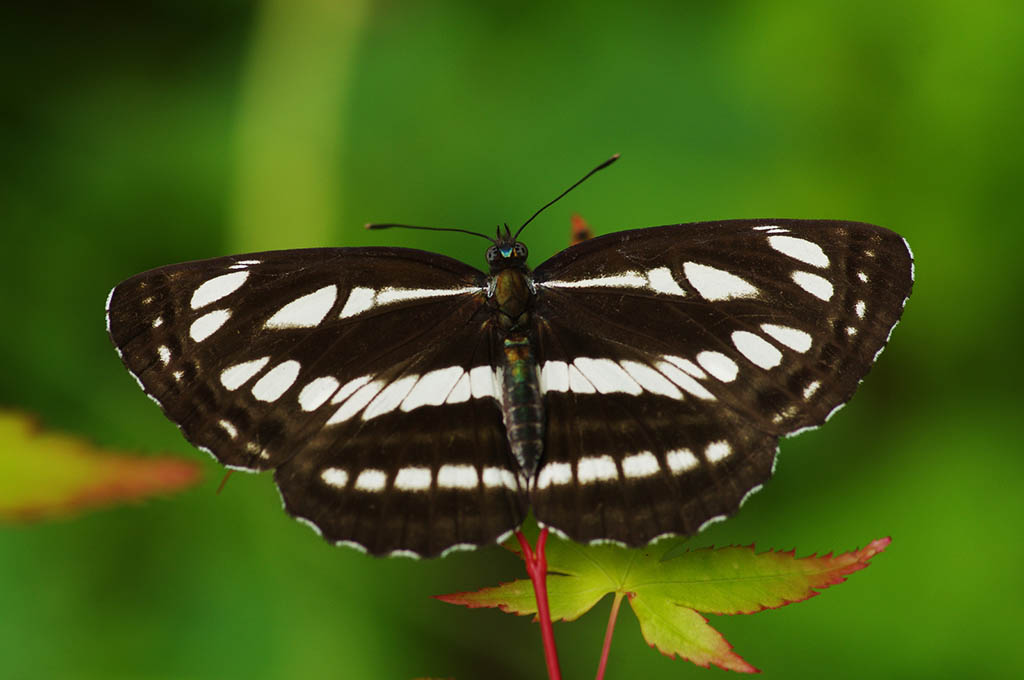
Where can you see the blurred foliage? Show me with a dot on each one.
(47, 474)
(136, 135)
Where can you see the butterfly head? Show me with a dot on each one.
(506, 252)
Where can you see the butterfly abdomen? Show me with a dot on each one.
(521, 404)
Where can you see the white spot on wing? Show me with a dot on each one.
(750, 493)
(643, 464)
(681, 460)
(494, 477)
(390, 397)
(714, 284)
(388, 296)
(607, 376)
(811, 388)
(817, 286)
(217, 287)
(912, 265)
(718, 365)
(651, 380)
(714, 520)
(164, 353)
(371, 480)
(577, 383)
(106, 305)
(336, 477)
(306, 311)
(687, 366)
(595, 469)
(356, 402)
(413, 479)
(158, 321)
(208, 324)
(316, 392)
(717, 451)
(554, 377)
(300, 520)
(459, 547)
(483, 382)
(276, 381)
(834, 411)
(359, 300)
(685, 381)
(350, 387)
(860, 308)
(629, 279)
(554, 473)
(793, 338)
(757, 349)
(461, 392)
(353, 545)
(433, 388)
(800, 249)
(228, 427)
(662, 281)
(457, 477)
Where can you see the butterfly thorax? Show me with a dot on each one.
(512, 298)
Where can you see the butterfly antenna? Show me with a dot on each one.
(581, 181)
(374, 225)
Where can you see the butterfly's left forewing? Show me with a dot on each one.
(673, 358)
(363, 375)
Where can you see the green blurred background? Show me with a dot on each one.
(135, 135)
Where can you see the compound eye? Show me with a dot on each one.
(492, 254)
(519, 250)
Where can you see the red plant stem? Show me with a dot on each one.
(607, 646)
(537, 568)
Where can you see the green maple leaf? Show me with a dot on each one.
(667, 589)
(46, 474)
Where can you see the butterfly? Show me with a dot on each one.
(632, 386)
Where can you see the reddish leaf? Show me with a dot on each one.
(45, 474)
(667, 594)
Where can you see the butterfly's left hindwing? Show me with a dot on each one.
(673, 358)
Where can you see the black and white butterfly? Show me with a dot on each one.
(632, 386)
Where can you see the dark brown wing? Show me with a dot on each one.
(673, 358)
(363, 375)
